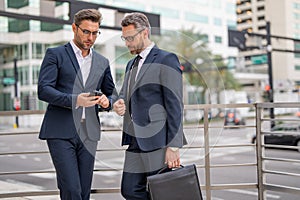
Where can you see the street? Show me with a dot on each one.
(114, 160)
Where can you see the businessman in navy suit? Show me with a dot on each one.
(151, 103)
(68, 76)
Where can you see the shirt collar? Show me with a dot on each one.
(77, 51)
(146, 51)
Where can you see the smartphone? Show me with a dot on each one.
(96, 93)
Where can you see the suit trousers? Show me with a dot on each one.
(137, 166)
(73, 160)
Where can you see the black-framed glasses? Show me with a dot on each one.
(87, 32)
(130, 38)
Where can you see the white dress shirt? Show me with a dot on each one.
(84, 64)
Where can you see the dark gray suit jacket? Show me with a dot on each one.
(60, 82)
(155, 120)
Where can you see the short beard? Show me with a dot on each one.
(139, 49)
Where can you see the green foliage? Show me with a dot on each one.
(208, 71)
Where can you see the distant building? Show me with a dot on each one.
(284, 18)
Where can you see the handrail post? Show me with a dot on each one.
(259, 153)
(207, 155)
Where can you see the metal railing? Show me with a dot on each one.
(260, 185)
(263, 185)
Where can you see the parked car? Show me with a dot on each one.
(282, 134)
(233, 117)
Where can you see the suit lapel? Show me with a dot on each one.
(147, 63)
(97, 70)
(74, 61)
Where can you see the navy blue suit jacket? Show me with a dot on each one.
(155, 120)
(60, 82)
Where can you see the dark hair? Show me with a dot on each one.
(88, 14)
(139, 20)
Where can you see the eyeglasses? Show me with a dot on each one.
(87, 32)
(130, 38)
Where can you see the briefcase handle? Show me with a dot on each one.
(167, 169)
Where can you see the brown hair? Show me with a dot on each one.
(88, 14)
(139, 20)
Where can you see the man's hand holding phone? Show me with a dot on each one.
(92, 98)
(86, 100)
(102, 99)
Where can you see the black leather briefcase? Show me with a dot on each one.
(177, 184)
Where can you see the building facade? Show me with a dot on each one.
(26, 40)
(252, 17)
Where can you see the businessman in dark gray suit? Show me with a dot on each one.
(151, 103)
(69, 74)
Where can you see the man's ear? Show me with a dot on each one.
(146, 33)
(74, 27)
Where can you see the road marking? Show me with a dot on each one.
(190, 156)
(253, 193)
(10, 185)
(37, 159)
(23, 156)
(44, 175)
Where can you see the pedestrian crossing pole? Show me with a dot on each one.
(16, 125)
(270, 71)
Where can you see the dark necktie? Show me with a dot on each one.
(133, 73)
(132, 77)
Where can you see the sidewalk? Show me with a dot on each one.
(10, 186)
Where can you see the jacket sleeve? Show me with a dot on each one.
(48, 81)
(171, 79)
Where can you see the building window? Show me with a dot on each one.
(18, 25)
(261, 18)
(38, 50)
(166, 12)
(205, 38)
(218, 39)
(50, 27)
(296, 16)
(297, 48)
(231, 24)
(22, 51)
(217, 21)
(6, 102)
(296, 5)
(230, 8)
(261, 8)
(17, 3)
(297, 67)
(35, 74)
(196, 18)
(297, 26)
(23, 75)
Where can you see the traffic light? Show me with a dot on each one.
(267, 93)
